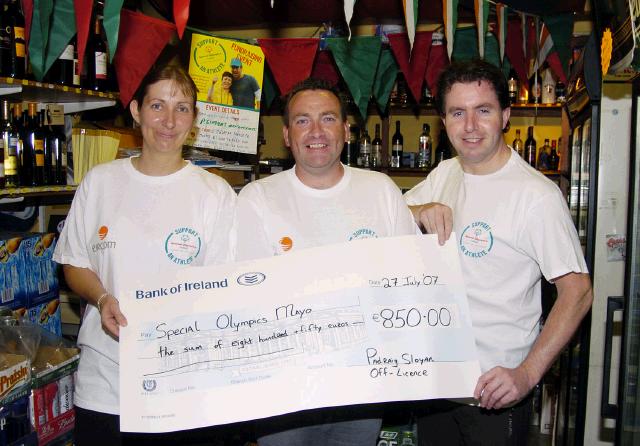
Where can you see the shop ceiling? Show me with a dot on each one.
(219, 14)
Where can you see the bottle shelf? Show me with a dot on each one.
(73, 99)
(26, 192)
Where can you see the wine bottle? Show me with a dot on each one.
(543, 156)
(62, 70)
(443, 150)
(553, 160)
(10, 143)
(347, 157)
(530, 151)
(5, 126)
(396, 147)
(33, 148)
(376, 149)
(517, 144)
(12, 43)
(424, 147)
(96, 61)
(365, 150)
(513, 85)
(45, 128)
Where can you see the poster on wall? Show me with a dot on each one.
(228, 75)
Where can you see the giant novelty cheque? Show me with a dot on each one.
(367, 321)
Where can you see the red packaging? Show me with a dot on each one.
(38, 408)
(52, 400)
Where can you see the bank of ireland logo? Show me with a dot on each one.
(363, 233)
(183, 245)
(476, 240)
(149, 385)
(250, 279)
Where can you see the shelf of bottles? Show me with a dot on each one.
(37, 191)
(73, 98)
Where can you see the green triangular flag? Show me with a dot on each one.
(111, 24)
(385, 77)
(466, 48)
(63, 28)
(39, 35)
(561, 29)
(269, 89)
(354, 60)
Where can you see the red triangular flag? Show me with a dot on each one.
(325, 68)
(83, 23)
(553, 60)
(140, 41)
(513, 49)
(181, 15)
(290, 60)
(438, 61)
(27, 10)
(415, 69)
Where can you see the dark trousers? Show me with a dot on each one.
(102, 429)
(447, 423)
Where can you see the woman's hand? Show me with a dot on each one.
(111, 316)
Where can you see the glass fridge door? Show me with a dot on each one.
(628, 423)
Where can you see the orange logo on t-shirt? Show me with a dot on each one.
(286, 243)
(102, 232)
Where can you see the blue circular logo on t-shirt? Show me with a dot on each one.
(476, 240)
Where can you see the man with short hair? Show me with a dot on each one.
(319, 201)
(245, 89)
(512, 227)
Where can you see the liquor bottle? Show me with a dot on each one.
(427, 96)
(15, 145)
(12, 43)
(424, 147)
(45, 127)
(10, 144)
(5, 128)
(513, 85)
(548, 87)
(62, 70)
(561, 92)
(348, 157)
(535, 87)
(376, 149)
(553, 160)
(443, 150)
(517, 144)
(96, 61)
(530, 151)
(365, 150)
(396, 147)
(57, 144)
(543, 156)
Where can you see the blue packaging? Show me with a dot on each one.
(47, 315)
(13, 281)
(41, 270)
(15, 425)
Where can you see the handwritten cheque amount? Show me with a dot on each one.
(368, 321)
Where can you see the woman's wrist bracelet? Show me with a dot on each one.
(102, 297)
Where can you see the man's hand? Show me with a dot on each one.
(434, 218)
(111, 317)
(501, 387)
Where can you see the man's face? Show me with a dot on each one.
(474, 122)
(316, 133)
(237, 72)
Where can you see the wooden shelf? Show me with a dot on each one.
(40, 191)
(73, 99)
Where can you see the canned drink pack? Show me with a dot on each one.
(65, 389)
(52, 400)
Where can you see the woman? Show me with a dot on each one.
(222, 94)
(121, 218)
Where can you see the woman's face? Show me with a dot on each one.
(226, 82)
(165, 117)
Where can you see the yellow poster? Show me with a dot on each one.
(229, 76)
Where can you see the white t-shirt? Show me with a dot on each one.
(123, 222)
(279, 213)
(512, 226)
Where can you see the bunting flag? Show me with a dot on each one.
(111, 24)
(83, 22)
(269, 89)
(348, 13)
(545, 44)
(501, 14)
(141, 39)
(181, 15)
(290, 60)
(413, 68)
(523, 28)
(325, 68)
(39, 35)
(386, 74)
(481, 8)
(466, 49)
(354, 60)
(533, 26)
(438, 61)
(411, 18)
(27, 10)
(514, 49)
(560, 27)
(62, 30)
(450, 18)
